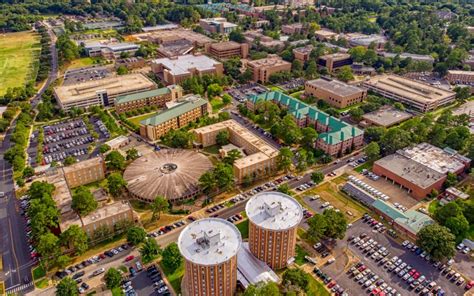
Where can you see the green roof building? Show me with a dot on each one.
(151, 98)
(335, 135)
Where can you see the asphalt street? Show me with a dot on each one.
(14, 250)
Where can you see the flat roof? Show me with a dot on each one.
(106, 211)
(412, 171)
(336, 56)
(116, 142)
(325, 32)
(61, 195)
(459, 72)
(409, 88)
(176, 47)
(83, 164)
(335, 86)
(113, 85)
(209, 241)
(274, 211)
(405, 55)
(304, 50)
(160, 27)
(142, 95)
(173, 34)
(387, 116)
(270, 61)
(226, 45)
(181, 65)
(253, 270)
(185, 104)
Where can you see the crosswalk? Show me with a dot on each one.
(19, 288)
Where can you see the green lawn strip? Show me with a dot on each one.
(42, 283)
(136, 119)
(117, 291)
(244, 228)
(38, 273)
(300, 254)
(214, 149)
(367, 165)
(297, 94)
(316, 288)
(174, 277)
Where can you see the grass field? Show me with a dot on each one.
(316, 288)
(139, 118)
(174, 277)
(244, 228)
(300, 254)
(18, 54)
(84, 62)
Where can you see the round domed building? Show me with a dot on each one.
(273, 221)
(172, 173)
(209, 247)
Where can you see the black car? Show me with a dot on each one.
(61, 274)
(85, 286)
(78, 275)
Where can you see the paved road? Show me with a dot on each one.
(14, 250)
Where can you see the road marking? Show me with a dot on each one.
(13, 248)
(18, 288)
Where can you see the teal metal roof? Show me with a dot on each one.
(388, 210)
(338, 130)
(415, 220)
(142, 95)
(188, 104)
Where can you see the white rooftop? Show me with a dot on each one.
(182, 64)
(251, 270)
(274, 211)
(209, 241)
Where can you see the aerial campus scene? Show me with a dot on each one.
(244, 147)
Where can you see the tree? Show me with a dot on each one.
(224, 174)
(237, 36)
(48, 248)
(115, 161)
(63, 260)
(136, 235)
(357, 53)
(77, 238)
(214, 90)
(69, 160)
(157, 206)
(104, 148)
(356, 113)
(222, 138)
(345, 73)
(317, 228)
(83, 202)
(285, 159)
(442, 214)
(112, 278)
(399, 106)
(262, 289)
(311, 71)
(207, 182)
(458, 226)
(226, 99)
(437, 240)
(336, 224)
(67, 287)
(28, 172)
(232, 156)
(178, 139)
(122, 70)
(39, 189)
(317, 177)
(295, 276)
(116, 184)
(309, 135)
(284, 188)
(451, 180)
(462, 93)
(149, 250)
(372, 151)
(132, 154)
(171, 257)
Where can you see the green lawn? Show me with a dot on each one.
(244, 228)
(83, 62)
(18, 54)
(300, 254)
(214, 149)
(470, 233)
(38, 273)
(315, 287)
(139, 118)
(216, 104)
(117, 292)
(367, 165)
(175, 277)
(42, 283)
(297, 94)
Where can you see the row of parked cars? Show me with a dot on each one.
(305, 186)
(63, 126)
(24, 205)
(235, 218)
(370, 281)
(376, 225)
(102, 128)
(159, 284)
(331, 284)
(166, 229)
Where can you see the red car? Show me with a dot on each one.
(416, 275)
(129, 258)
(375, 292)
(412, 272)
(469, 285)
(331, 284)
(102, 256)
(362, 268)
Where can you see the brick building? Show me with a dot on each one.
(152, 98)
(85, 172)
(302, 54)
(334, 92)
(217, 25)
(296, 28)
(334, 61)
(460, 77)
(262, 69)
(228, 49)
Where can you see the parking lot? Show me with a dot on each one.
(404, 256)
(85, 74)
(150, 282)
(70, 138)
(292, 84)
(242, 92)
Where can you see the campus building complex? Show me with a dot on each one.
(460, 77)
(296, 28)
(85, 172)
(334, 61)
(335, 93)
(418, 95)
(174, 48)
(302, 54)
(273, 221)
(178, 114)
(217, 25)
(102, 92)
(110, 50)
(421, 169)
(335, 136)
(156, 98)
(210, 247)
(176, 69)
(259, 158)
(173, 34)
(262, 69)
(228, 49)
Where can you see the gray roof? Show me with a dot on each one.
(182, 64)
(142, 95)
(336, 87)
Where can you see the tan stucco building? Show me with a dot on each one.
(228, 49)
(85, 172)
(262, 69)
(334, 92)
(152, 98)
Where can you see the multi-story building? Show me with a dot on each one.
(334, 92)
(335, 136)
(173, 48)
(302, 54)
(102, 92)
(405, 55)
(228, 49)
(262, 69)
(85, 172)
(460, 77)
(165, 36)
(357, 39)
(209, 247)
(416, 94)
(421, 168)
(251, 38)
(157, 98)
(259, 158)
(334, 61)
(296, 28)
(325, 35)
(176, 69)
(131, 63)
(217, 25)
(110, 50)
(107, 216)
(273, 222)
(187, 109)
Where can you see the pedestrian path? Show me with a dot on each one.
(19, 288)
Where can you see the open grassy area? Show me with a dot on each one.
(174, 277)
(42, 283)
(216, 104)
(83, 62)
(165, 219)
(214, 149)
(316, 288)
(244, 228)
(139, 118)
(367, 165)
(18, 54)
(300, 254)
(297, 94)
(117, 291)
(38, 273)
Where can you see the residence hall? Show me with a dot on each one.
(262, 69)
(421, 169)
(151, 98)
(335, 136)
(334, 92)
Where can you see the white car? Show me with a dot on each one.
(466, 250)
